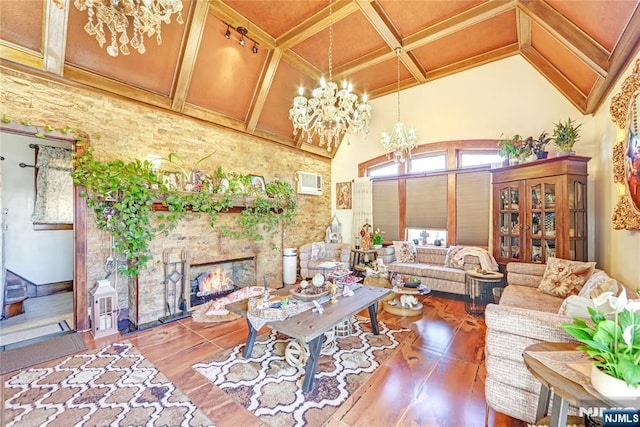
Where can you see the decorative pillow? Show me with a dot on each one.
(598, 283)
(576, 306)
(405, 251)
(563, 277)
(318, 250)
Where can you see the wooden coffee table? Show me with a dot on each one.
(309, 326)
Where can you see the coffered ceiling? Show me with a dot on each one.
(578, 46)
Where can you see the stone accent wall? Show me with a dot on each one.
(127, 130)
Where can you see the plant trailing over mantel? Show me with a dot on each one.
(124, 197)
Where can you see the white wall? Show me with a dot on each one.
(507, 96)
(39, 256)
(616, 250)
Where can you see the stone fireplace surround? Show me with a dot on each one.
(144, 296)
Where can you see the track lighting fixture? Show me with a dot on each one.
(243, 35)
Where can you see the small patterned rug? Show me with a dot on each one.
(270, 388)
(112, 386)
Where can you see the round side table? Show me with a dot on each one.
(479, 288)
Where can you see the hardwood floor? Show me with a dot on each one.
(436, 379)
(41, 311)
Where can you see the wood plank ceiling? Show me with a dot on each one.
(578, 46)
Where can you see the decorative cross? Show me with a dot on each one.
(424, 236)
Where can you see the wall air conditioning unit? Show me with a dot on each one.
(309, 183)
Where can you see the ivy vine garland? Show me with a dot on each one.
(123, 195)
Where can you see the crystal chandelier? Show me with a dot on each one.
(147, 17)
(401, 141)
(330, 112)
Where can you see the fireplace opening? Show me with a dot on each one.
(215, 280)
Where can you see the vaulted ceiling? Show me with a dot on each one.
(578, 46)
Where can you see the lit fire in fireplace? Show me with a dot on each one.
(214, 282)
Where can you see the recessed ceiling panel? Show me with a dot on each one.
(477, 39)
(412, 16)
(353, 37)
(21, 23)
(275, 114)
(276, 18)
(378, 76)
(226, 74)
(599, 19)
(153, 70)
(565, 61)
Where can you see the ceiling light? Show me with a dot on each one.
(401, 141)
(147, 17)
(330, 112)
(227, 35)
(243, 32)
(254, 49)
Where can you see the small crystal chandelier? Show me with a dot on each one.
(401, 141)
(330, 112)
(147, 17)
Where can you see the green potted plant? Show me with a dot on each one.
(377, 238)
(538, 145)
(565, 135)
(612, 340)
(514, 149)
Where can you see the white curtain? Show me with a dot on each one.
(54, 187)
(362, 206)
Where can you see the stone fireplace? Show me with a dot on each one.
(196, 248)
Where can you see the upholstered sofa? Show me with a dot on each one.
(312, 255)
(431, 267)
(524, 316)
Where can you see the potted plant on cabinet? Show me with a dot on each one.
(515, 149)
(565, 135)
(538, 145)
(612, 340)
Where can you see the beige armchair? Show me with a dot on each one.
(524, 316)
(314, 254)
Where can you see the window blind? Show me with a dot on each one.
(386, 204)
(472, 208)
(427, 202)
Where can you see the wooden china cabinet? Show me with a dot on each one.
(540, 210)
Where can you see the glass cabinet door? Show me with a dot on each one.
(509, 222)
(577, 233)
(540, 231)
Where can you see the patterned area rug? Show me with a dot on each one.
(270, 388)
(112, 386)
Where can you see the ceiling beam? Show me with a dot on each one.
(627, 48)
(315, 24)
(115, 87)
(484, 58)
(262, 91)
(473, 16)
(20, 55)
(556, 78)
(300, 64)
(226, 14)
(576, 40)
(523, 22)
(385, 28)
(55, 36)
(192, 46)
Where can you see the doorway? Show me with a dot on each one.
(42, 258)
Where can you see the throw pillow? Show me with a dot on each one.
(597, 284)
(563, 277)
(405, 251)
(318, 250)
(576, 306)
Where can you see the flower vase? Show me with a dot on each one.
(542, 154)
(612, 387)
